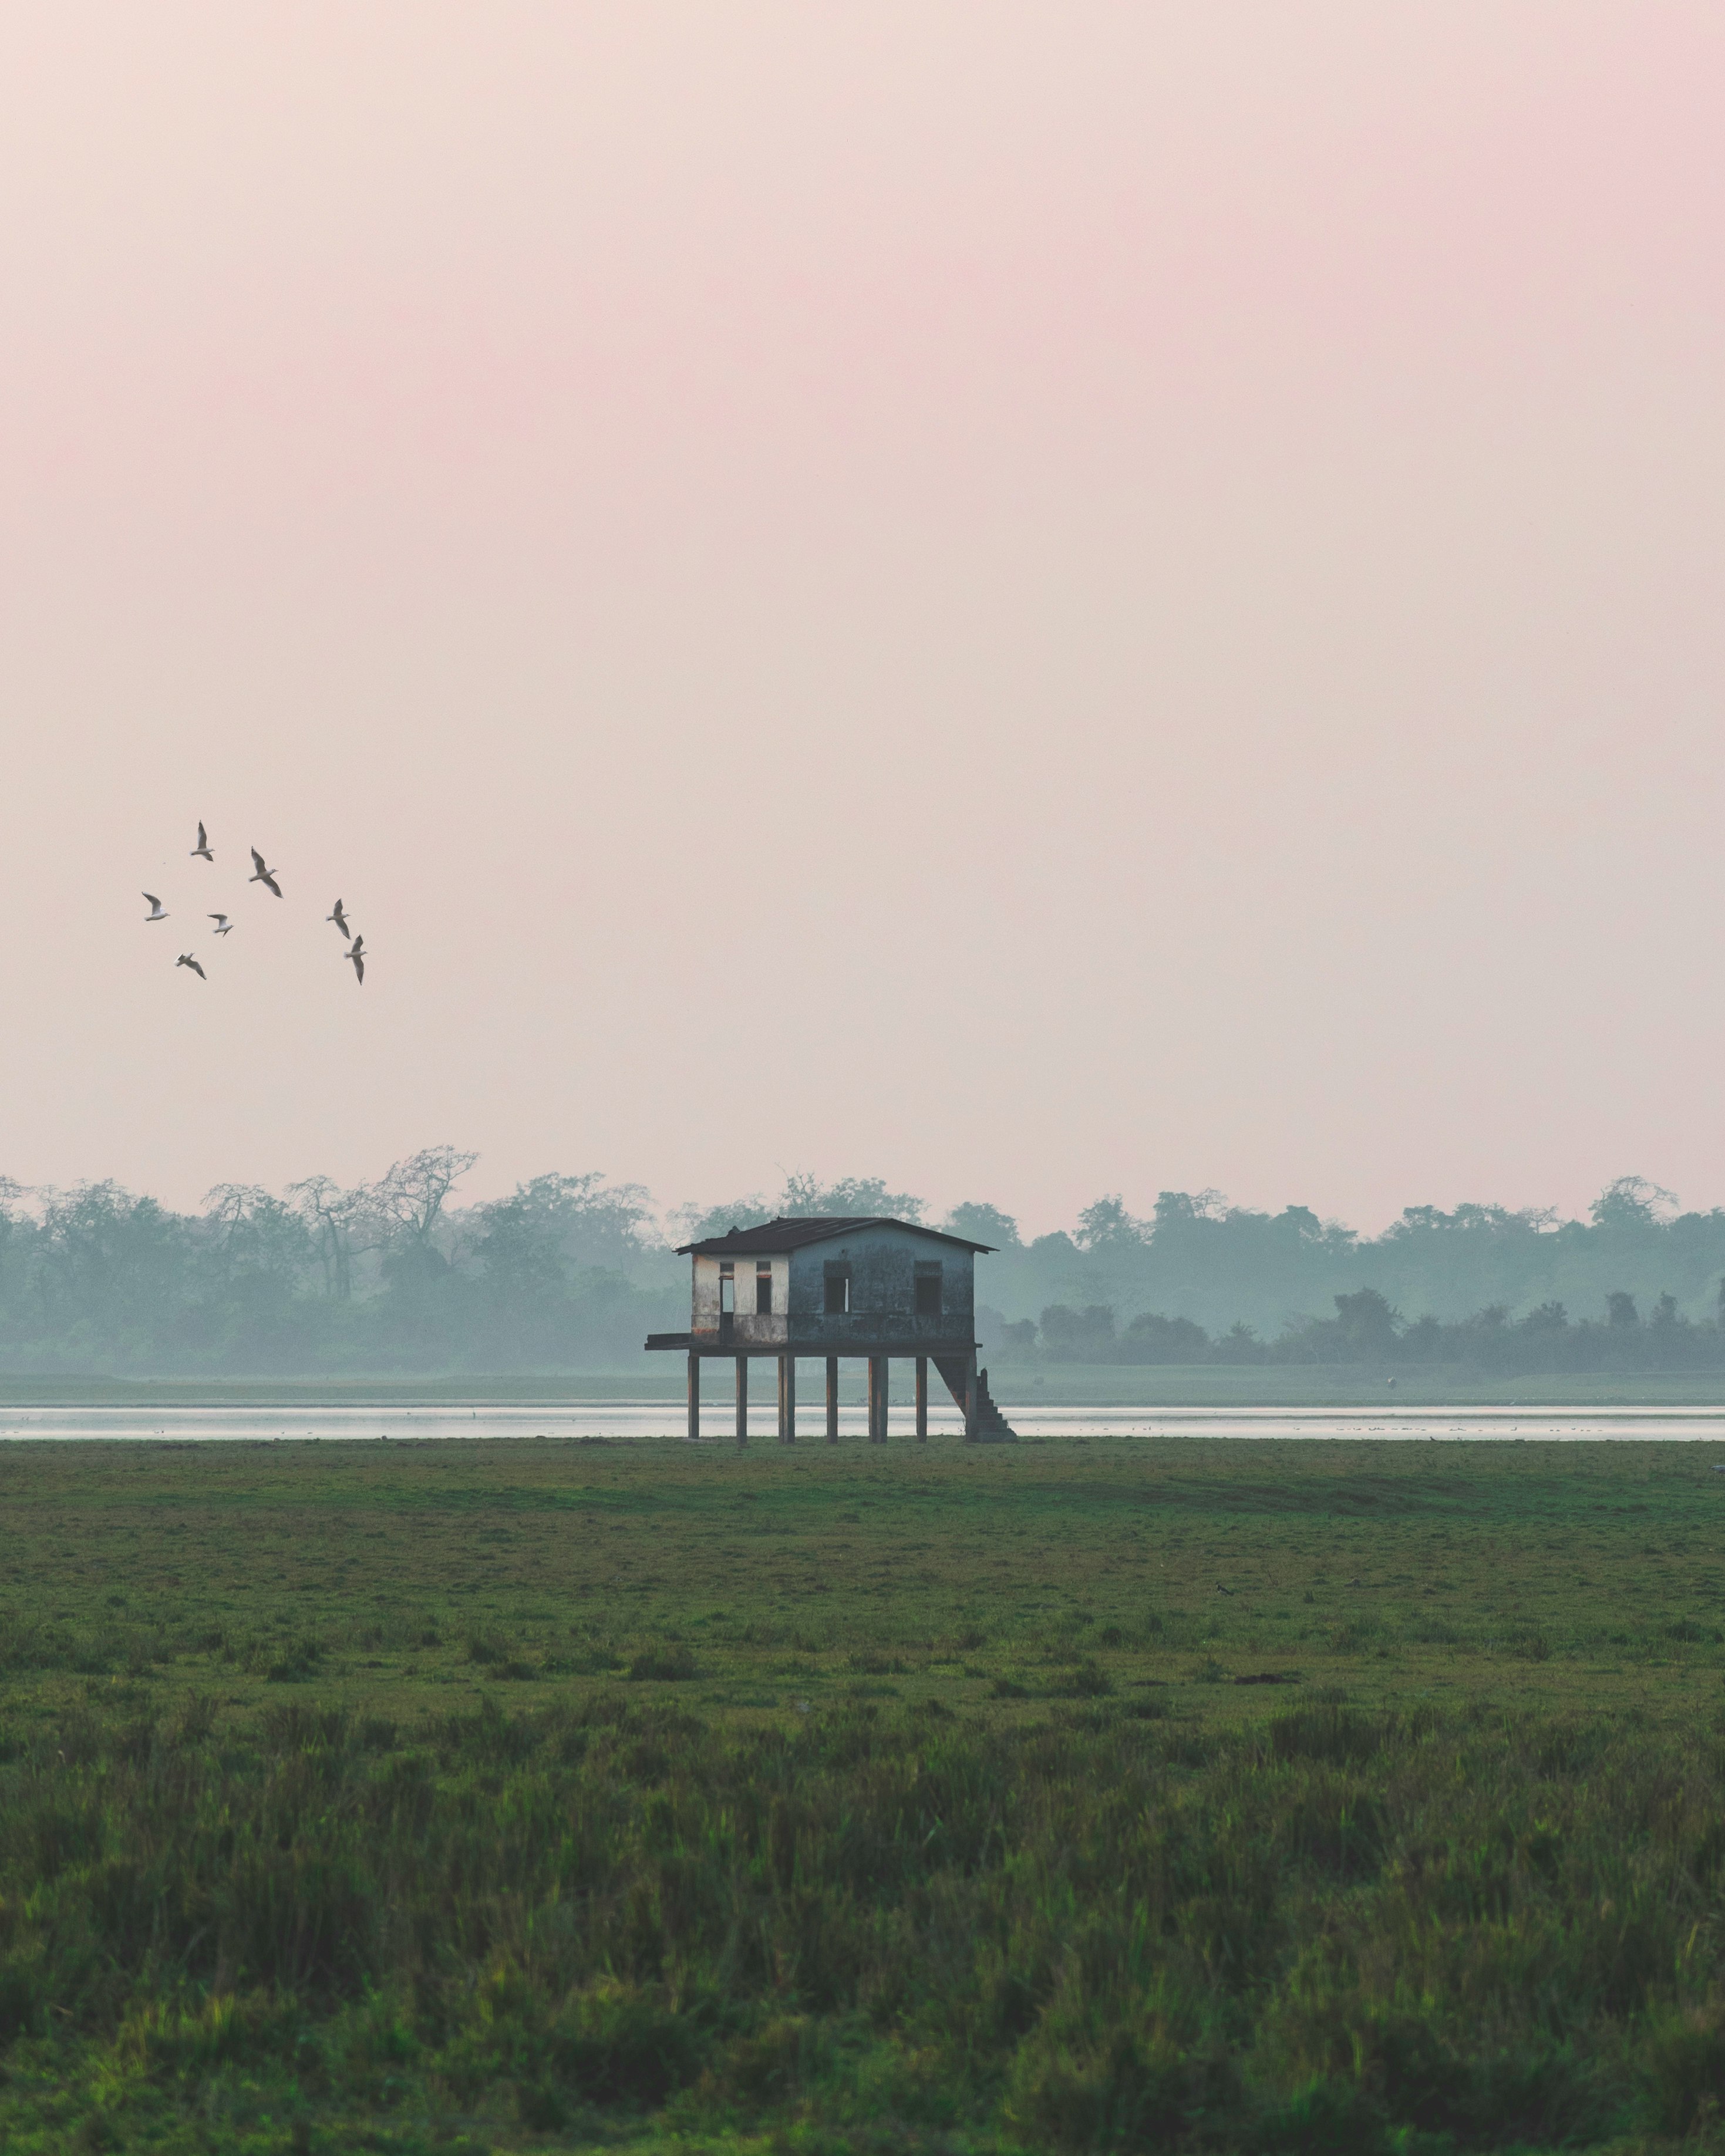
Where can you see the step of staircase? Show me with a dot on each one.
(992, 1426)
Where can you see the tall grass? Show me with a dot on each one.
(1342, 1930)
(1053, 1798)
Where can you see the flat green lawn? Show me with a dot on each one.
(1082, 1794)
(408, 1577)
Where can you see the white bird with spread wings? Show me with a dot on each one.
(356, 953)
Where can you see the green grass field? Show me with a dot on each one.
(1071, 1796)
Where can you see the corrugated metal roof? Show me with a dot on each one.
(778, 1236)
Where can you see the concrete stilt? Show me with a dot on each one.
(786, 1399)
(742, 1399)
(877, 1399)
(694, 1397)
(973, 1402)
(832, 1399)
(921, 1399)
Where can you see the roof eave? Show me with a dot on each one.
(713, 1246)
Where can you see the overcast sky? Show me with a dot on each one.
(1034, 599)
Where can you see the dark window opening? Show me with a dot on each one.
(727, 1293)
(763, 1290)
(838, 1291)
(928, 1291)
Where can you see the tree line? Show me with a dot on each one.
(387, 1275)
(1367, 1328)
(573, 1270)
(1639, 1284)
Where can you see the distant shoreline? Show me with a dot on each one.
(1029, 1396)
(1301, 1386)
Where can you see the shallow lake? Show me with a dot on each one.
(262, 1422)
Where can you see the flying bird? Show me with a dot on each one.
(355, 958)
(201, 851)
(160, 910)
(340, 919)
(185, 958)
(266, 876)
(223, 926)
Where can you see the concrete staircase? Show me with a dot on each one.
(992, 1426)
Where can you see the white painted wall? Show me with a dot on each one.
(704, 1317)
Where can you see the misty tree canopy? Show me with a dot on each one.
(573, 1270)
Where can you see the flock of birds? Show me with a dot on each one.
(261, 873)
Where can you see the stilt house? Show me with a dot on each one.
(827, 1288)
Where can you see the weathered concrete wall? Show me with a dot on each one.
(883, 1273)
(882, 1262)
(704, 1308)
(878, 1334)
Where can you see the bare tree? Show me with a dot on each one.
(334, 1216)
(227, 1209)
(410, 1198)
(255, 1232)
(1632, 1202)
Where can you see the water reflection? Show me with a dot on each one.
(292, 1422)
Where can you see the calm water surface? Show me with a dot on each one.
(576, 1419)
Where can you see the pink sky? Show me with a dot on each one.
(1032, 599)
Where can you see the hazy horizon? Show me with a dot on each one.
(1037, 600)
(665, 1217)
(407, 1272)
